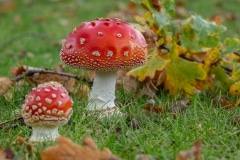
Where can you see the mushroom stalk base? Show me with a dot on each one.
(43, 133)
(102, 94)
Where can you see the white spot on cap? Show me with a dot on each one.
(34, 107)
(109, 54)
(31, 98)
(75, 30)
(63, 95)
(48, 100)
(35, 118)
(46, 90)
(68, 45)
(38, 98)
(42, 117)
(82, 40)
(60, 112)
(132, 36)
(44, 108)
(100, 33)
(39, 110)
(54, 110)
(27, 108)
(54, 88)
(117, 19)
(40, 104)
(125, 54)
(119, 35)
(64, 40)
(59, 103)
(49, 112)
(69, 112)
(53, 95)
(96, 53)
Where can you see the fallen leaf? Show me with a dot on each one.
(227, 104)
(179, 106)
(127, 82)
(5, 84)
(192, 154)
(156, 4)
(15, 122)
(70, 84)
(66, 149)
(156, 110)
(6, 6)
(6, 154)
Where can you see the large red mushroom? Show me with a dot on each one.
(45, 108)
(104, 45)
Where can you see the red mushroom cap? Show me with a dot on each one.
(47, 104)
(104, 44)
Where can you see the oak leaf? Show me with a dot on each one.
(194, 153)
(182, 75)
(5, 84)
(155, 63)
(66, 149)
(6, 154)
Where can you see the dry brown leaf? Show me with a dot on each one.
(7, 154)
(218, 19)
(83, 90)
(227, 104)
(192, 154)
(156, 4)
(156, 110)
(15, 71)
(70, 84)
(66, 149)
(179, 106)
(24, 142)
(6, 6)
(5, 84)
(2, 155)
(128, 83)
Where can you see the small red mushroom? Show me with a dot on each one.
(104, 45)
(45, 108)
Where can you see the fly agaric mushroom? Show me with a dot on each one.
(45, 108)
(104, 45)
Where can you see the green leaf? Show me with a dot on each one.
(231, 45)
(221, 79)
(156, 63)
(144, 3)
(236, 72)
(169, 6)
(199, 34)
(182, 76)
(161, 20)
(204, 27)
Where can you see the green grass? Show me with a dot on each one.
(161, 136)
(31, 35)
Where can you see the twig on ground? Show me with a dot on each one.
(32, 71)
(14, 120)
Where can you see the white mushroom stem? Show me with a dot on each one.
(44, 133)
(102, 94)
